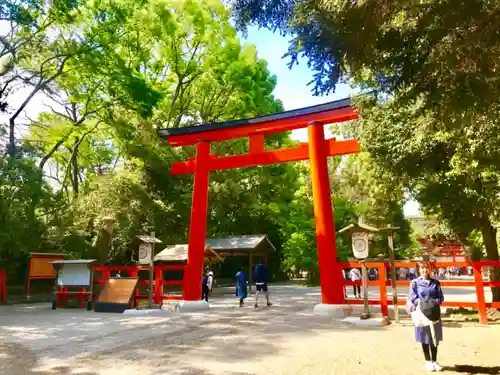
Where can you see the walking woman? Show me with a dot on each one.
(426, 292)
(241, 286)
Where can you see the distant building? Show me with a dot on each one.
(420, 223)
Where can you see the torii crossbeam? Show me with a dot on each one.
(317, 150)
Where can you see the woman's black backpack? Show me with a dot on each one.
(430, 309)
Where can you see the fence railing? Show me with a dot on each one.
(479, 284)
(133, 271)
(102, 273)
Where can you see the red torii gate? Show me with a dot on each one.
(316, 150)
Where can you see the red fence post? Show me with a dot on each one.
(158, 291)
(3, 286)
(106, 273)
(481, 300)
(384, 306)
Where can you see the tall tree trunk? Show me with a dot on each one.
(490, 242)
(103, 241)
(11, 147)
(102, 246)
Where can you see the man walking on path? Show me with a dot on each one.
(260, 278)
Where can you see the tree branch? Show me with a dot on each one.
(75, 151)
(40, 86)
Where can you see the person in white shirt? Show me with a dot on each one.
(442, 272)
(403, 273)
(355, 275)
(210, 281)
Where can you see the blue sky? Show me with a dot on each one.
(292, 86)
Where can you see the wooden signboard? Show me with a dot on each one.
(74, 275)
(116, 295)
(119, 290)
(39, 267)
(74, 280)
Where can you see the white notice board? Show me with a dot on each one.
(74, 275)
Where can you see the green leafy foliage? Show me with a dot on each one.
(440, 51)
(26, 208)
(90, 173)
(379, 198)
(441, 166)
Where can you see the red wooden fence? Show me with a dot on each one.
(481, 305)
(479, 284)
(132, 271)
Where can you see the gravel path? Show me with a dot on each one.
(285, 339)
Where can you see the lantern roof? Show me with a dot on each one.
(359, 227)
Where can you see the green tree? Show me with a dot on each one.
(195, 65)
(445, 170)
(29, 58)
(379, 198)
(26, 207)
(443, 52)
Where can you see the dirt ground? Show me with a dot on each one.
(284, 339)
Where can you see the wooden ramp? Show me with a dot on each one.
(117, 294)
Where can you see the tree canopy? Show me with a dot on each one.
(442, 52)
(84, 87)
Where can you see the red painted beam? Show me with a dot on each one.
(217, 163)
(276, 126)
(256, 143)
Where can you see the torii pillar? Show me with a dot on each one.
(332, 290)
(193, 274)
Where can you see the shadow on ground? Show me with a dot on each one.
(466, 369)
(17, 360)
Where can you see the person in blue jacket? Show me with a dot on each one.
(260, 278)
(425, 288)
(241, 286)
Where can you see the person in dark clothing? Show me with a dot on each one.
(260, 278)
(241, 286)
(205, 287)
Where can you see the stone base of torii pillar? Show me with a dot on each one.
(192, 306)
(335, 311)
